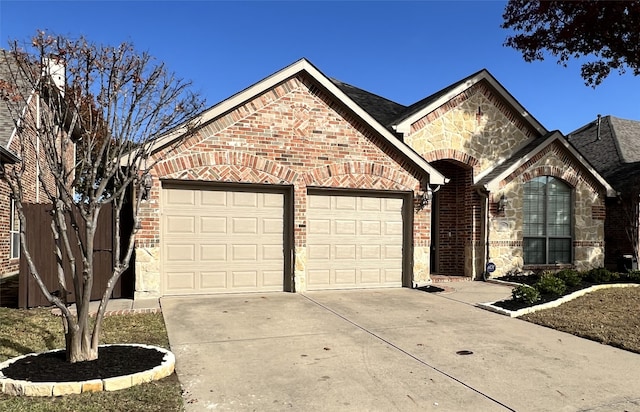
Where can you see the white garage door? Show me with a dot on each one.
(354, 242)
(222, 241)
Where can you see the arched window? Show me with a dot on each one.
(547, 221)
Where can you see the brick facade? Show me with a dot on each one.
(293, 135)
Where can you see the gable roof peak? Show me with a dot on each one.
(425, 106)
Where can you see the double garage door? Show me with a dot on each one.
(221, 241)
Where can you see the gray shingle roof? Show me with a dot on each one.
(6, 122)
(613, 149)
(380, 108)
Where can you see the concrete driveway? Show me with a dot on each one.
(385, 350)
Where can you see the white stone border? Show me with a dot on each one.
(516, 313)
(28, 388)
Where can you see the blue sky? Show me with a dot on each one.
(403, 51)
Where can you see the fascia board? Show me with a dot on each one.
(405, 125)
(435, 177)
(556, 136)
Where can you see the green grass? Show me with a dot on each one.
(36, 330)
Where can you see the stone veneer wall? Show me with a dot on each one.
(293, 134)
(506, 228)
(475, 130)
(479, 129)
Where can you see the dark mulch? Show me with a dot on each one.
(530, 280)
(115, 360)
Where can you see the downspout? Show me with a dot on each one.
(483, 192)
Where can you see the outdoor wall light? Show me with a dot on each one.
(423, 198)
(502, 203)
(147, 184)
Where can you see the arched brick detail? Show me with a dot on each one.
(567, 175)
(572, 175)
(353, 174)
(445, 154)
(226, 166)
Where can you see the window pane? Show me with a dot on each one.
(534, 208)
(559, 250)
(534, 251)
(15, 245)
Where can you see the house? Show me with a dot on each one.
(612, 146)
(13, 153)
(301, 182)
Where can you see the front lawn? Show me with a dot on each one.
(35, 330)
(609, 316)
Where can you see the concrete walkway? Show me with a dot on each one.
(385, 350)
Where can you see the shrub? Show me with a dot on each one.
(526, 294)
(570, 277)
(550, 285)
(598, 275)
(633, 276)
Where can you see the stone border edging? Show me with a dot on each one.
(555, 303)
(28, 388)
(57, 312)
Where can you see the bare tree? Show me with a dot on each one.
(92, 135)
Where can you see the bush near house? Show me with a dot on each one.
(546, 286)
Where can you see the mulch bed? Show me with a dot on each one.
(114, 360)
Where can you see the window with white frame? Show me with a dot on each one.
(14, 231)
(547, 226)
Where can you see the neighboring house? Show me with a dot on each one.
(11, 152)
(301, 182)
(612, 146)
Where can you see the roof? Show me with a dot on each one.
(304, 66)
(7, 125)
(383, 110)
(492, 179)
(425, 106)
(612, 146)
(6, 121)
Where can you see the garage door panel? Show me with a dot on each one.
(393, 228)
(342, 252)
(370, 252)
(345, 276)
(216, 280)
(180, 198)
(245, 199)
(215, 225)
(272, 279)
(354, 241)
(213, 198)
(213, 253)
(272, 200)
(177, 253)
(181, 224)
(272, 226)
(319, 252)
(345, 227)
(244, 279)
(245, 252)
(180, 281)
(243, 225)
(272, 252)
(372, 276)
(371, 204)
(319, 226)
(239, 235)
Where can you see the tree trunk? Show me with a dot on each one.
(78, 345)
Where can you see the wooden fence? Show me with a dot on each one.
(41, 244)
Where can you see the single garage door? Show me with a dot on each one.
(354, 242)
(221, 241)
